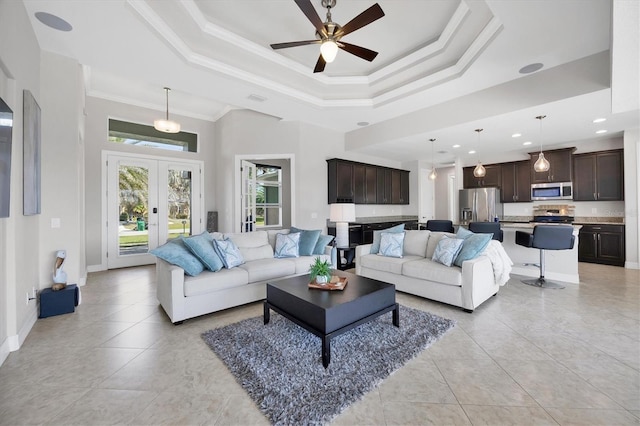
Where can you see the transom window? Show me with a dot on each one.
(126, 133)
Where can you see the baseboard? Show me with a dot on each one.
(4, 351)
(15, 342)
(632, 265)
(96, 268)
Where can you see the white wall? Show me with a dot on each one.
(98, 112)
(632, 200)
(19, 235)
(246, 133)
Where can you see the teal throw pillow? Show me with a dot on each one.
(287, 245)
(202, 248)
(323, 241)
(308, 240)
(176, 253)
(472, 246)
(228, 253)
(391, 244)
(375, 247)
(447, 250)
(463, 233)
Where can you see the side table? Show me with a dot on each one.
(349, 254)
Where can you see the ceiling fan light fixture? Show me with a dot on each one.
(329, 50)
(164, 124)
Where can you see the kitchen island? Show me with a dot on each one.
(560, 265)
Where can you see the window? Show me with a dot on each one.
(126, 133)
(268, 196)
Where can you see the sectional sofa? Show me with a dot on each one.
(467, 286)
(183, 296)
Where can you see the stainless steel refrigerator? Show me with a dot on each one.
(479, 205)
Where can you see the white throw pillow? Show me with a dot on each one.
(391, 244)
(287, 245)
(447, 250)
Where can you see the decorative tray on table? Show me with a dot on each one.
(336, 283)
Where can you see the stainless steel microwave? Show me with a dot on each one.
(552, 191)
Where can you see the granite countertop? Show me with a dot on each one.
(377, 219)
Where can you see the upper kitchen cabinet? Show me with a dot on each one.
(360, 183)
(341, 181)
(561, 166)
(516, 182)
(493, 177)
(598, 176)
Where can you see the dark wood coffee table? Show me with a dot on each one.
(329, 313)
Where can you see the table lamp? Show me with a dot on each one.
(342, 214)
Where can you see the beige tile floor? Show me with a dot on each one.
(527, 356)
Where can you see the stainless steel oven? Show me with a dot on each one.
(552, 191)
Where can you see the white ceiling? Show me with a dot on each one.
(444, 68)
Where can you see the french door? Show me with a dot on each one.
(248, 197)
(149, 201)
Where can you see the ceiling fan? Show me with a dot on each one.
(329, 34)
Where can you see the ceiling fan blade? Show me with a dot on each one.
(362, 52)
(320, 65)
(311, 14)
(294, 44)
(365, 18)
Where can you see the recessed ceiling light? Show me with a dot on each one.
(527, 143)
(516, 135)
(363, 123)
(601, 131)
(456, 146)
(599, 120)
(53, 21)
(528, 69)
(472, 152)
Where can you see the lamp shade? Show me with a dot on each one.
(342, 212)
(166, 126)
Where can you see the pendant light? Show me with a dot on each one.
(433, 173)
(541, 164)
(479, 171)
(165, 125)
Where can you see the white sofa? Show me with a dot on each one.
(415, 273)
(183, 296)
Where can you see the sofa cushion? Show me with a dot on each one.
(228, 252)
(323, 241)
(208, 282)
(391, 244)
(303, 263)
(447, 250)
(385, 264)
(308, 240)
(202, 247)
(268, 269)
(472, 246)
(426, 269)
(252, 245)
(177, 253)
(375, 246)
(434, 239)
(415, 242)
(287, 245)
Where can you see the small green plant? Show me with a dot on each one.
(320, 268)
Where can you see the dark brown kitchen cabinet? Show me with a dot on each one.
(560, 166)
(360, 183)
(491, 179)
(598, 176)
(516, 182)
(602, 244)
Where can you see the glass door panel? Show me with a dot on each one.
(133, 230)
(179, 203)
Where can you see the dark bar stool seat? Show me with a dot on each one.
(487, 228)
(546, 237)
(440, 225)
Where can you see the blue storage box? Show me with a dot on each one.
(58, 302)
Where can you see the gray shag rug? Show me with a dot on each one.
(280, 364)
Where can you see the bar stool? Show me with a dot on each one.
(546, 237)
(440, 225)
(487, 228)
